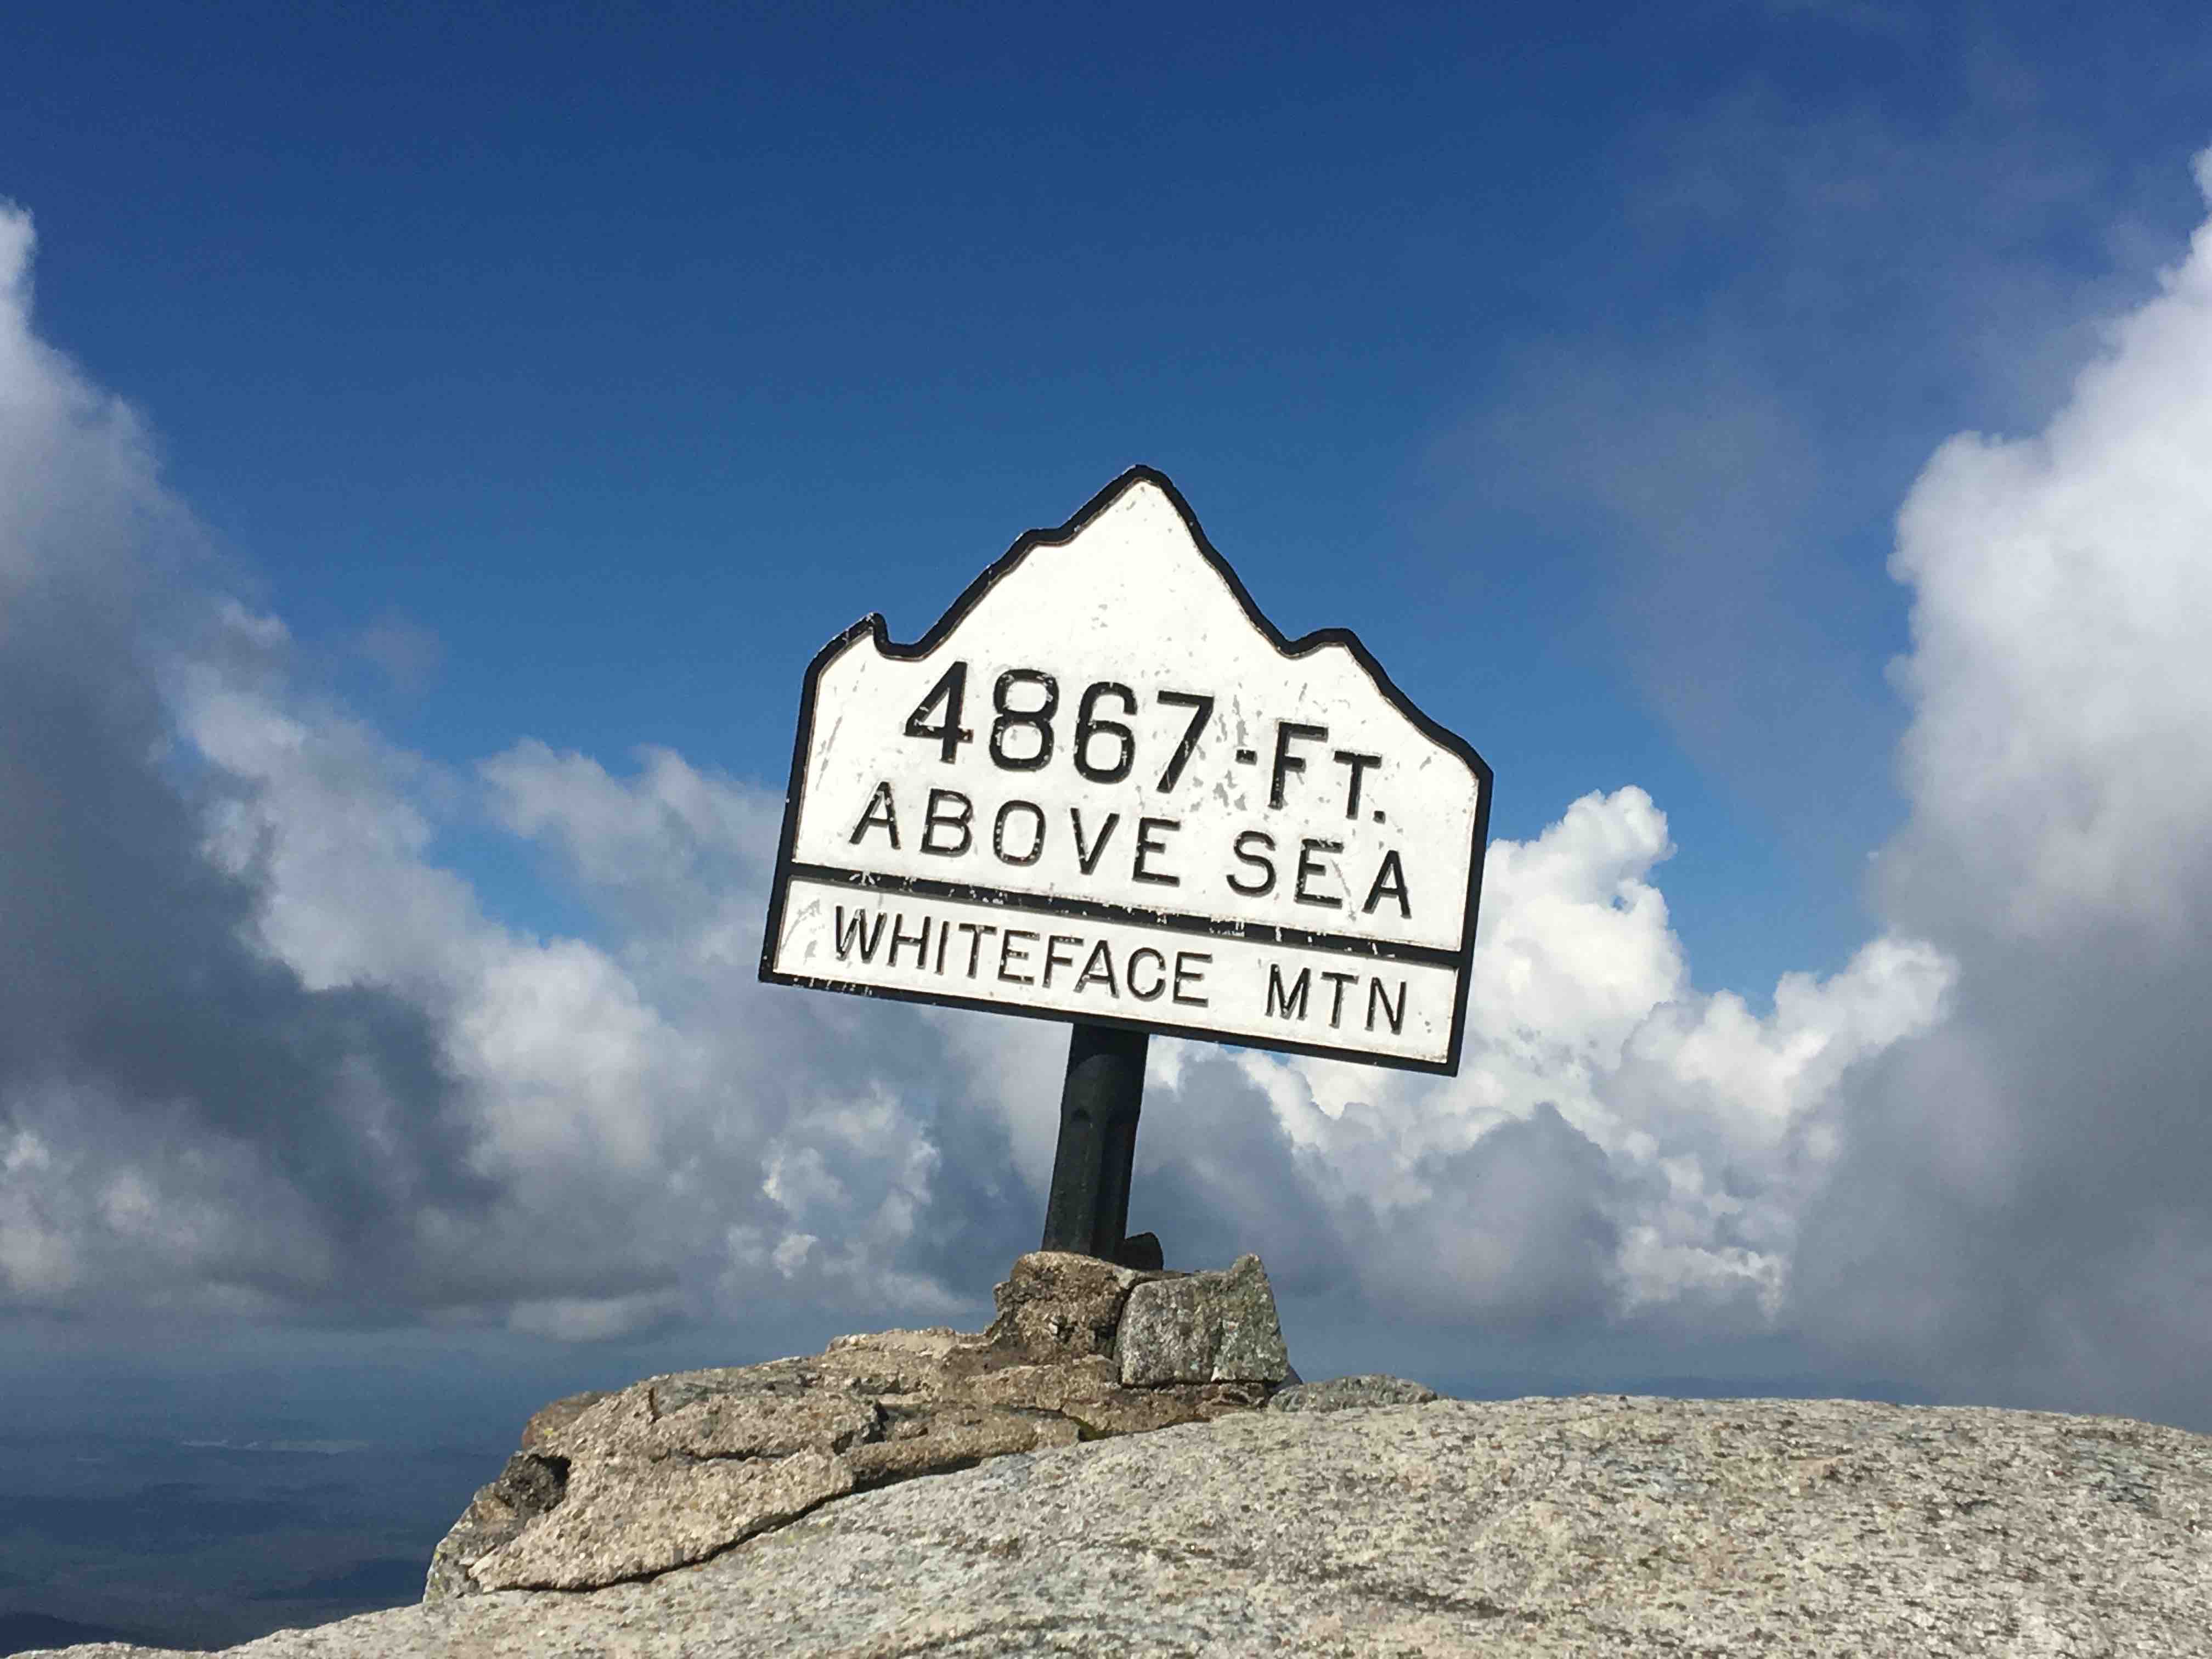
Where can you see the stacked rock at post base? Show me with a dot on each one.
(609, 1487)
(1207, 1328)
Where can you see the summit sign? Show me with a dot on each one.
(1103, 788)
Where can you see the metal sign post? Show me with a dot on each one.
(1105, 789)
(1088, 1211)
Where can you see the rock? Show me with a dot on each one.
(1203, 1328)
(672, 1470)
(1141, 1250)
(619, 1522)
(1342, 1392)
(550, 1420)
(1057, 1306)
(1516, 1529)
(527, 1488)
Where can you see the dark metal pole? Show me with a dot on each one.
(1089, 1207)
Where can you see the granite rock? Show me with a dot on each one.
(1344, 1393)
(610, 1487)
(1518, 1529)
(1203, 1328)
(525, 1489)
(1058, 1306)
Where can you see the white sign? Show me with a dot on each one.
(1104, 788)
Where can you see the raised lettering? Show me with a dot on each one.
(920, 941)
(1285, 761)
(1265, 863)
(1377, 995)
(975, 930)
(1311, 865)
(1052, 958)
(1036, 833)
(1356, 764)
(1184, 969)
(859, 935)
(1148, 848)
(1389, 883)
(937, 818)
(1201, 710)
(1159, 965)
(1099, 965)
(888, 820)
(1088, 725)
(1336, 1005)
(1037, 720)
(1008, 956)
(1289, 1003)
(949, 690)
(1086, 858)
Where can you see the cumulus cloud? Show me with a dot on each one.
(2023, 1203)
(362, 1098)
(263, 1056)
(2058, 672)
(168, 1096)
(1619, 1150)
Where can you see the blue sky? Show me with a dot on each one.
(653, 342)
(433, 442)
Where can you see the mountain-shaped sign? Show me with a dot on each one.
(1105, 788)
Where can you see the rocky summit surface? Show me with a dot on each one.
(677, 1468)
(1125, 1465)
(1550, 1526)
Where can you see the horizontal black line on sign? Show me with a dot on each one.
(1096, 910)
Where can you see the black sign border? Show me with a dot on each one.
(873, 625)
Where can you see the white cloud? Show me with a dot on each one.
(1576, 949)
(1616, 1142)
(288, 1063)
(2061, 688)
(2021, 1201)
(588, 1139)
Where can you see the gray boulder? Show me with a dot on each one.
(1204, 1328)
(1524, 1529)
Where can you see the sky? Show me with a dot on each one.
(434, 440)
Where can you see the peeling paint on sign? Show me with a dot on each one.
(1103, 787)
